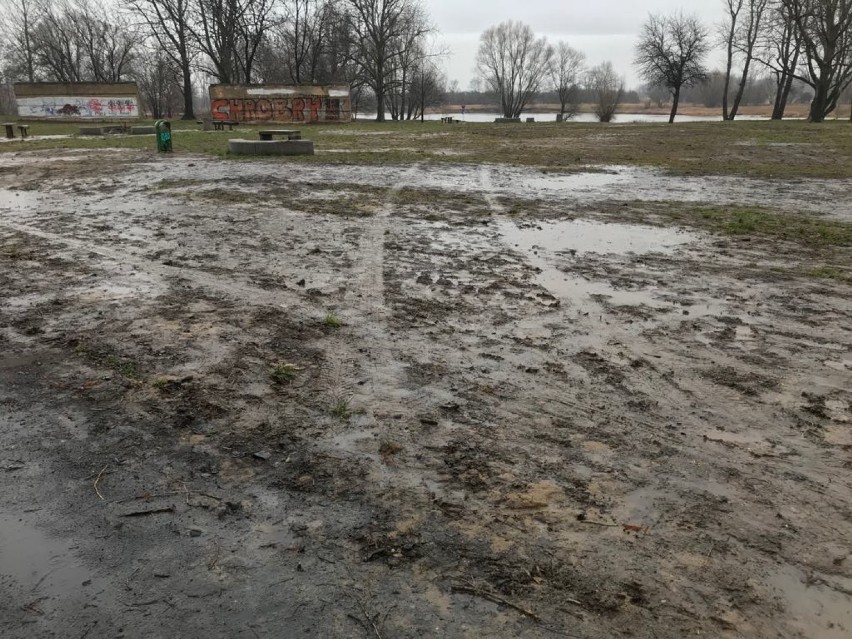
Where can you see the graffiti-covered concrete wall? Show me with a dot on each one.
(280, 103)
(77, 100)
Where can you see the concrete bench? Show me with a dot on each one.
(268, 134)
(142, 130)
(91, 130)
(219, 125)
(271, 147)
(507, 120)
(10, 129)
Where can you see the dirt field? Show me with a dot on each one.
(254, 399)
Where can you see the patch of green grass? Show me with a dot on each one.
(759, 148)
(806, 230)
(160, 383)
(802, 229)
(332, 321)
(341, 409)
(283, 373)
(124, 367)
(831, 273)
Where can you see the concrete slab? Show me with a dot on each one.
(271, 147)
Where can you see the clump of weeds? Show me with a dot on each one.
(332, 321)
(284, 373)
(341, 409)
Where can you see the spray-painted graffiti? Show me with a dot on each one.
(305, 108)
(77, 107)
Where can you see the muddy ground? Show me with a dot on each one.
(247, 399)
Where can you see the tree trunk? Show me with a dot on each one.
(675, 100)
(740, 89)
(380, 92)
(781, 97)
(819, 103)
(730, 64)
(188, 109)
(380, 104)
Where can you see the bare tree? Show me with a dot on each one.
(58, 52)
(780, 51)
(825, 31)
(565, 71)
(229, 33)
(19, 19)
(741, 38)
(427, 88)
(109, 42)
(300, 38)
(378, 27)
(657, 94)
(671, 52)
(513, 64)
(607, 89)
(159, 81)
(169, 24)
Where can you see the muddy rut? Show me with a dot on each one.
(264, 400)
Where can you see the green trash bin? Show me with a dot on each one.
(163, 128)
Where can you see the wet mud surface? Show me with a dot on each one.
(265, 400)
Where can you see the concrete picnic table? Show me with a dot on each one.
(268, 134)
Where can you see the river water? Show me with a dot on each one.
(580, 117)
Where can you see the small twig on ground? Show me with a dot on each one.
(97, 480)
(139, 604)
(149, 496)
(368, 618)
(490, 596)
(600, 523)
(153, 511)
(212, 564)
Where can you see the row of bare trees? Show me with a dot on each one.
(805, 40)
(385, 46)
(809, 41)
(515, 65)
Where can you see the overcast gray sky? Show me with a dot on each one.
(603, 29)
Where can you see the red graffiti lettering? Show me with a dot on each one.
(219, 110)
(298, 110)
(263, 109)
(314, 104)
(248, 110)
(305, 108)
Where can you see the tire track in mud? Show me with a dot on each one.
(368, 291)
(488, 190)
(365, 344)
(238, 290)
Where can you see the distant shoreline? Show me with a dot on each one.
(793, 110)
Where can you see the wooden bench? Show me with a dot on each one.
(219, 125)
(268, 134)
(10, 129)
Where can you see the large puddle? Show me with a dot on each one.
(544, 242)
(38, 564)
(817, 609)
(586, 236)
